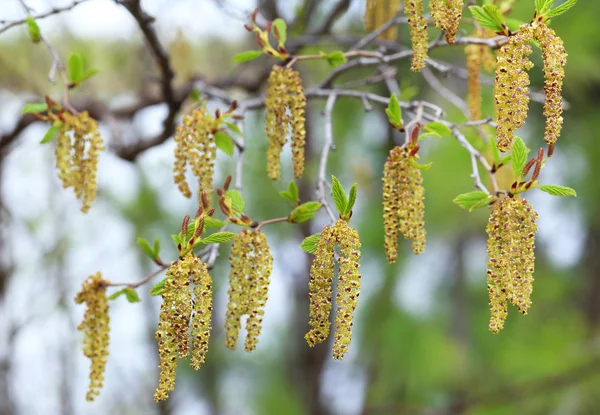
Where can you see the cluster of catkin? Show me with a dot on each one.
(185, 319)
(321, 290)
(511, 90)
(195, 146)
(446, 15)
(96, 328)
(251, 266)
(403, 206)
(511, 234)
(285, 105)
(418, 33)
(77, 149)
(377, 13)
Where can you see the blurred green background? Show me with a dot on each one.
(421, 344)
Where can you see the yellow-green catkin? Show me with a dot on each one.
(201, 317)
(320, 291)
(251, 266)
(194, 146)
(555, 59)
(511, 90)
(446, 15)
(511, 235)
(173, 323)
(348, 287)
(377, 13)
(77, 150)
(320, 286)
(96, 327)
(474, 63)
(285, 113)
(418, 33)
(403, 202)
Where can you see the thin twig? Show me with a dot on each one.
(50, 12)
(327, 145)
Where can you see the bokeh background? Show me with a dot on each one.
(421, 343)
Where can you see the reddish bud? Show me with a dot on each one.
(254, 14)
(227, 182)
(205, 200)
(184, 224)
(248, 27)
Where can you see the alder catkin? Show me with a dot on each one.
(285, 104)
(403, 202)
(474, 63)
(418, 33)
(96, 328)
(202, 312)
(194, 146)
(446, 15)
(511, 235)
(379, 12)
(555, 59)
(77, 150)
(511, 90)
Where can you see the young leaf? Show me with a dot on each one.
(335, 58)
(339, 195)
(279, 29)
(423, 167)
(495, 151)
(438, 128)
(50, 134)
(233, 127)
(557, 11)
(116, 294)
(293, 190)
(34, 108)
(158, 287)
(237, 201)
(351, 199)
(472, 200)
(132, 295)
(287, 196)
(519, 156)
(89, 74)
(558, 190)
(210, 222)
(34, 30)
(247, 56)
(394, 112)
(224, 142)
(75, 67)
(218, 238)
(495, 15)
(145, 245)
(156, 247)
(304, 212)
(542, 6)
(309, 244)
(484, 19)
(177, 239)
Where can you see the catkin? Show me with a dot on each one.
(251, 266)
(446, 15)
(511, 235)
(511, 90)
(96, 327)
(555, 58)
(348, 288)
(418, 33)
(285, 104)
(202, 313)
(77, 150)
(403, 202)
(377, 13)
(474, 62)
(194, 146)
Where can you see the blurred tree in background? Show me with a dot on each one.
(421, 343)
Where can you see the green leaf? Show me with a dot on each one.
(279, 29)
(472, 200)
(75, 68)
(394, 112)
(247, 56)
(495, 15)
(218, 238)
(557, 11)
(132, 295)
(156, 247)
(484, 19)
(495, 151)
(519, 156)
(558, 190)
(224, 143)
(51, 133)
(438, 128)
(423, 167)
(210, 222)
(158, 287)
(304, 212)
(177, 239)
(237, 201)
(117, 294)
(34, 30)
(234, 127)
(34, 108)
(145, 245)
(89, 74)
(309, 244)
(339, 195)
(291, 194)
(335, 58)
(351, 199)
(542, 6)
